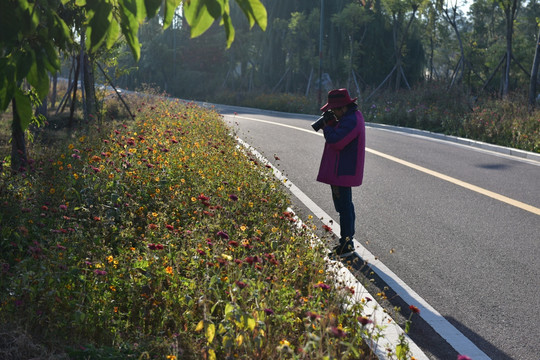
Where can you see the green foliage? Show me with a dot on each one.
(160, 238)
(292, 103)
(32, 33)
(430, 108)
(506, 123)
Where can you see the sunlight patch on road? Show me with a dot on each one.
(436, 174)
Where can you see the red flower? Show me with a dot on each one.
(313, 316)
(269, 311)
(241, 284)
(155, 246)
(223, 235)
(414, 309)
(322, 286)
(364, 320)
(169, 227)
(337, 332)
(327, 228)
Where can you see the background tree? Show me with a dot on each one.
(534, 73)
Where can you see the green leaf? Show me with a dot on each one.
(113, 34)
(229, 29)
(228, 308)
(61, 30)
(24, 62)
(99, 14)
(401, 352)
(210, 332)
(250, 322)
(24, 108)
(254, 11)
(38, 77)
(130, 28)
(170, 9)
(5, 94)
(152, 7)
(201, 14)
(136, 8)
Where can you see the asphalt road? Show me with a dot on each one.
(472, 255)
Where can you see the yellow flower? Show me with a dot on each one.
(70, 146)
(52, 191)
(75, 176)
(285, 342)
(169, 270)
(171, 357)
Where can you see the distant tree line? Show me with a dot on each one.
(367, 45)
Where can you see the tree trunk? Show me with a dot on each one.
(54, 89)
(18, 144)
(534, 74)
(42, 109)
(90, 88)
(510, 13)
(75, 85)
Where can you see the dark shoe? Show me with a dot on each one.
(343, 250)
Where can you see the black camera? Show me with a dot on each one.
(323, 120)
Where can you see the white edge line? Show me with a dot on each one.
(386, 326)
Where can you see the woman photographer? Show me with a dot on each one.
(342, 163)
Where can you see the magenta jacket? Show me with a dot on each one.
(342, 162)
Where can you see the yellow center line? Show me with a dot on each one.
(458, 182)
(436, 174)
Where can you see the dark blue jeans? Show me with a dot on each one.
(342, 196)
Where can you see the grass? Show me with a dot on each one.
(160, 238)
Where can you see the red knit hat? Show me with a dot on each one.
(338, 98)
